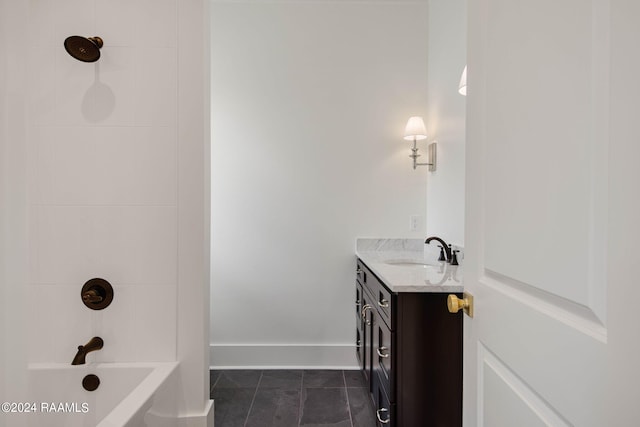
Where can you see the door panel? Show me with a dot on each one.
(536, 219)
(543, 107)
(508, 401)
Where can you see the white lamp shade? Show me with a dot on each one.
(462, 88)
(415, 129)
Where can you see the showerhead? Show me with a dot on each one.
(84, 49)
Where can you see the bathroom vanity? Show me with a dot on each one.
(408, 344)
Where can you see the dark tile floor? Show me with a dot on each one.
(291, 398)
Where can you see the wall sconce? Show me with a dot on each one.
(415, 131)
(462, 87)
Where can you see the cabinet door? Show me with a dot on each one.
(382, 354)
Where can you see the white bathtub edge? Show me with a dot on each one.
(141, 396)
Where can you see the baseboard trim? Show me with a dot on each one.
(283, 356)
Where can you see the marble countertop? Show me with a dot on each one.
(408, 265)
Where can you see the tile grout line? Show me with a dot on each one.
(255, 392)
(338, 387)
(214, 383)
(300, 405)
(346, 393)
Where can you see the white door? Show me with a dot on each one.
(553, 213)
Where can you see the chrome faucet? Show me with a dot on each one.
(447, 248)
(94, 344)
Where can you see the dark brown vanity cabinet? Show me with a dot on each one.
(410, 349)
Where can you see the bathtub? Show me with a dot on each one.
(129, 395)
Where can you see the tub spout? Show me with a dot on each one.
(94, 344)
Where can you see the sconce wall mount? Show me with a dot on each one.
(415, 131)
(431, 155)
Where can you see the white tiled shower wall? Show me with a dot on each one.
(104, 181)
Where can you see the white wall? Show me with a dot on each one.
(446, 119)
(104, 197)
(116, 167)
(309, 103)
(13, 210)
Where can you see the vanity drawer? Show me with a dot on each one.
(381, 296)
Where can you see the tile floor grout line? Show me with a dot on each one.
(300, 405)
(344, 379)
(255, 392)
(214, 383)
(333, 387)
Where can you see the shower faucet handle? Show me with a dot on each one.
(91, 296)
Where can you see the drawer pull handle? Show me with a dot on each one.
(364, 314)
(357, 302)
(380, 418)
(383, 303)
(364, 310)
(380, 352)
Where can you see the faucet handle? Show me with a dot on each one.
(454, 257)
(441, 257)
